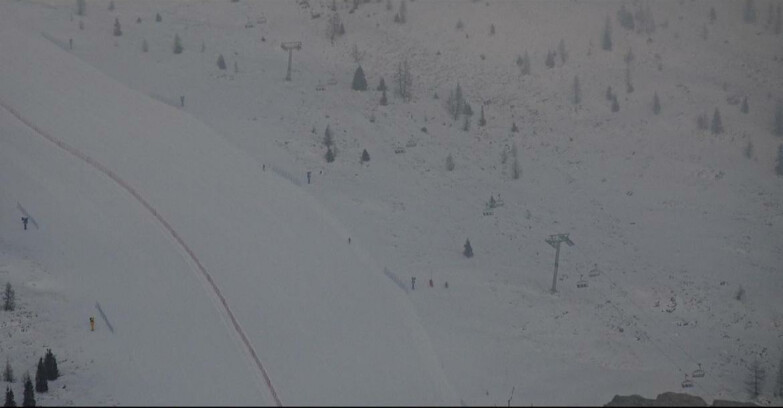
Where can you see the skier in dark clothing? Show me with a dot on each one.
(413, 283)
(24, 222)
(308, 177)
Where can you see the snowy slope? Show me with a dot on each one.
(329, 327)
(677, 219)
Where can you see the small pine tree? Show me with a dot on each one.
(468, 250)
(713, 16)
(144, 46)
(9, 398)
(606, 42)
(329, 155)
(466, 124)
(778, 127)
(138, 20)
(744, 107)
(221, 62)
(482, 121)
(656, 104)
(524, 69)
(403, 12)
(157, 18)
(389, 5)
(449, 163)
(467, 110)
(514, 128)
(177, 44)
(117, 28)
(515, 170)
(365, 156)
(50, 363)
(749, 12)
(28, 398)
(625, 18)
(111, 5)
(550, 59)
(628, 84)
(460, 25)
(8, 372)
(748, 151)
(384, 100)
(562, 51)
(359, 81)
(328, 138)
(577, 91)
(615, 104)
(41, 384)
(381, 85)
(341, 31)
(492, 29)
(9, 298)
(779, 167)
(755, 380)
(717, 125)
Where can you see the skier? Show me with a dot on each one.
(263, 167)
(413, 283)
(92, 323)
(349, 240)
(182, 101)
(24, 222)
(308, 177)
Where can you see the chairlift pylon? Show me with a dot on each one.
(581, 283)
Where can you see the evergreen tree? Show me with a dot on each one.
(456, 102)
(717, 125)
(328, 138)
(514, 128)
(144, 46)
(577, 91)
(628, 84)
(482, 121)
(28, 397)
(157, 17)
(388, 5)
(467, 109)
(117, 28)
(466, 124)
(177, 44)
(342, 29)
(403, 12)
(365, 156)
(755, 379)
(515, 170)
(656, 104)
(713, 16)
(404, 80)
(80, 7)
(382, 85)
(9, 298)
(625, 18)
(50, 363)
(468, 250)
(138, 20)
(779, 167)
(41, 384)
(550, 59)
(749, 12)
(744, 107)
(449, 162)
(748, 151)
(329, 155)
(111, 5)
(384, 101)
(615, 104)
(9, 398)
(8, 372)
(492, 29)
(359, 81)
(606, 42)
(221, 62)
(562, 51)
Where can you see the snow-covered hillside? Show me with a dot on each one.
(675, 218)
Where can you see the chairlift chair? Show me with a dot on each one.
(699, 372)
(687, 383)
(581, 283)
(594, 272)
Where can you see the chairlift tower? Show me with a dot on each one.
(555, 241)
(290, 47)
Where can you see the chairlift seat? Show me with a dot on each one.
(594, 272)
(687, 384)
(698, 373)
(581, 284)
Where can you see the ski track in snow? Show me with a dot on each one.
(106, 171)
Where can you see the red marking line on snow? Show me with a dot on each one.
(100, 167)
